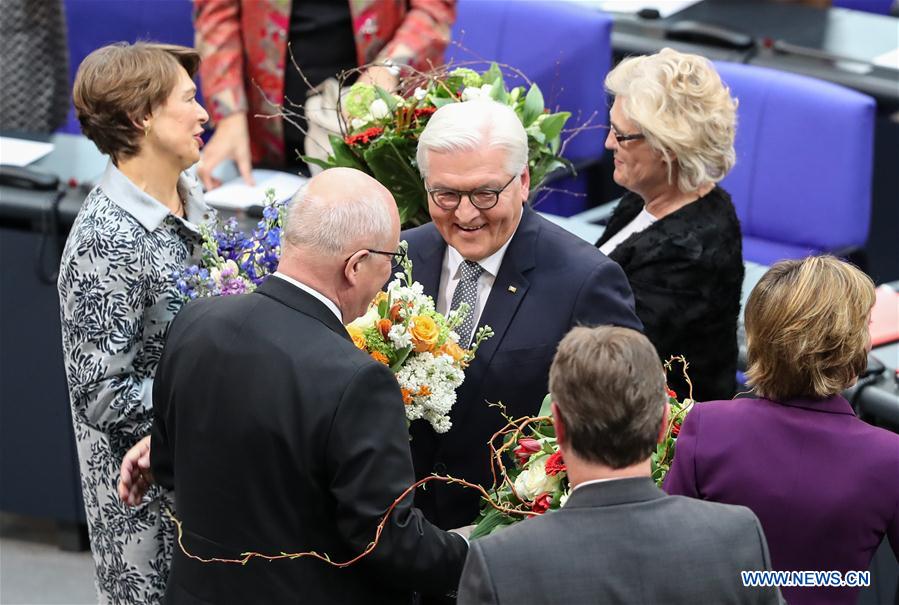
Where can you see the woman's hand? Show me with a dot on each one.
(231, 140)
(136, 477)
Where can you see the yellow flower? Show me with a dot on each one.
(357, 336)
(379, 298)
(424, 332)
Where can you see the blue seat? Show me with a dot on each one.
(565, 49)
(802, 182)
(881, 7)
(95, 23)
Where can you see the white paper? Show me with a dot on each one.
(666, 8)
(236, 194)
(21, 152)
(888, 59)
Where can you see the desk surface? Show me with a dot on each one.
(835, 44)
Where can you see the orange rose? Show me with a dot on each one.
(453, 350)
(384, 326)
(394, 313)
(356, 334)
(378, 356)
(424, 333)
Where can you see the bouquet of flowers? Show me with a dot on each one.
(537, 480)
(231, 261)
(382, 130)
(403, 330)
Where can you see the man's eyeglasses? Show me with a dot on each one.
(483, 198)
(623, 138)
(398, 257)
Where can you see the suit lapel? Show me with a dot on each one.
(427, 260)
(287, 294)
(509, 289)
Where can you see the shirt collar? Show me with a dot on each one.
(593, 481)
(313, 292)
(491, 264)
(147, 210)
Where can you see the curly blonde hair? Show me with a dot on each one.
(807, 328)
(686, 113)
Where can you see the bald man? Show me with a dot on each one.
(279, 435)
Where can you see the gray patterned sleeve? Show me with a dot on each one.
(103, 294)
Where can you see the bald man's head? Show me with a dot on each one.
(340, 210)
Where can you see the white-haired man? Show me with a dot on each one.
(528, 279)
(278, 435)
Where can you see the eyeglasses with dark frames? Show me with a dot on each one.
(482, 198)
(398, 257)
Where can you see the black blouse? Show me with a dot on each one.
(686, 271)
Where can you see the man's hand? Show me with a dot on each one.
(136, 476)
(230, 141)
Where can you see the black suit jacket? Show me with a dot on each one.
(277, 434)
(686, 271)
(621, 541)
(560, 281)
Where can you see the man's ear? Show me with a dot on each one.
(559, 424)
(664, 426)
(353, 266)
(525, 184)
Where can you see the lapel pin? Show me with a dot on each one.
(513, 289)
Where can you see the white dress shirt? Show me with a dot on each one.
(451, 273)
(638, 224)
(325, 300)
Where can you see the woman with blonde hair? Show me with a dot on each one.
(117, 297)
(824, 484)
(675, 232)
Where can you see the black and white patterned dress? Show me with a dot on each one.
(117, 299)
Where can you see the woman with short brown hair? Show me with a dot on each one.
(824, 484)
(117, 297)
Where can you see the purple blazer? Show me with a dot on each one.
(824, 484)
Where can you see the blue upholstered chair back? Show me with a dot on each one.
(881, 7)
(802, 182)
(96, 23)
(563, 47)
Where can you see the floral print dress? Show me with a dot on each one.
(117, 300)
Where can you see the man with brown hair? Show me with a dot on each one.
(619, 538)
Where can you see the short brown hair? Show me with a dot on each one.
(807, 328)
(609, 385)
(118, 85)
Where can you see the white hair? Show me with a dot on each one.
(318, 223)
(680, 104)
(470, 125)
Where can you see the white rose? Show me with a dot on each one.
(470, 94)
(486, 89)
(534, 481)
(420, 93)
(379, 109)
(357, 123)
(366, 321)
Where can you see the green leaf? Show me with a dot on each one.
(400, 360)
(491, 521)
(441, 101)
(545, 407)
(498, 92)
(344, 156)
(389, 161)
(533, 105)
(329, 163)
(387, 98)
(552, 125)
(492, 75)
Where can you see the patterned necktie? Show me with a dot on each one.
(467, 292)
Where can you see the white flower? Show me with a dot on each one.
(399, 336)
(357, 123)
(534, 481)
(420, 93)
(366, 321)
(486, 89)
(470, 93)
(564, 499)
(379, 109)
